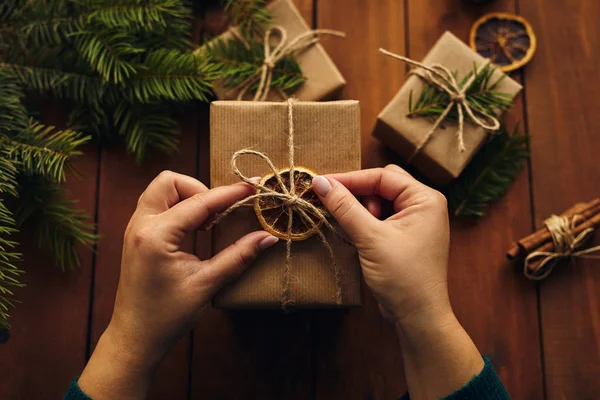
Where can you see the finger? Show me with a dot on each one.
(373, 204)
(345, 208)
(390, 183)
(191, 213)
(168, 189)
(230, 262)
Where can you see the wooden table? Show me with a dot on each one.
(543, 339)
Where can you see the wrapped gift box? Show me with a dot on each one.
(323, 79)
(439, 160)
(327, 140)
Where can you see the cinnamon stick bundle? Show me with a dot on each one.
(541, 240)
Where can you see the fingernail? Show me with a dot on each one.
(255, 179)
(321, 185)
(267, 242)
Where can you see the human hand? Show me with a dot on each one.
(162, 288)
(404, 257)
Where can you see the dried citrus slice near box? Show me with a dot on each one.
(507, 40)
(273, 213)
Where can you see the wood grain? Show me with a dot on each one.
(357, 352)
(562, 103)
(490, 297)
(46, 348)
(121, 183)
(246, 355)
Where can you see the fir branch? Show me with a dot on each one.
(481, 96)
(43, 150)
(145, 126)
(235, 64)
(61, 84)
(172, 75)
(59, 226)
(250, 16)
(9, 272)
(489, 175)
(108, 53)
(135, 14)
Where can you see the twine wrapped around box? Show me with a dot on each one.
(308, 276)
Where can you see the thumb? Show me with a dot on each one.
(230, 262)
(345, 208)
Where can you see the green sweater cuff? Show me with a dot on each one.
(485, 386)
(75, 392)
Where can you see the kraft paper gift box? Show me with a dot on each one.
(327, 140)
(440, 159)
(323, 79)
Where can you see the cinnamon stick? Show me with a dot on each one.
(592, 222)
(542, 236)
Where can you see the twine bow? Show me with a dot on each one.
(289, 199)
(283, 49)
(443, 79)
(565, 246)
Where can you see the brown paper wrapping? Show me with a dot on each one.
(440, 160)
(323, 79)
(327, 139)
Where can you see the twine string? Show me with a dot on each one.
(309, 213)
(442, 78)
(566, 245)
(264, 76)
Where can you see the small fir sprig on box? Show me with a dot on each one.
(489, 175)
(482, 96)
(236, 61)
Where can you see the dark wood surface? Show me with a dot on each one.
(544, 339)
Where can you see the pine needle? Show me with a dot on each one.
(489, 175)
(234, 63)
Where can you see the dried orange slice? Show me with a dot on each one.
(506, 39)
(273, 213)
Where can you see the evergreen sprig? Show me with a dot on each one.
(59, 226)
(489, 174)
(33, 152)
(234, 63)
(99, 53)
(249, 16)
(481, 96)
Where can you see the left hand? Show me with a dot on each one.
(163, 289)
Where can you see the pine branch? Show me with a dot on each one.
(108, 52)
(42, 150)
(9, 272)
(481, 96)
(59, 226)
(61, 84)
(489, 175)
(145, 126)
(250, 16)
(235, 63)
(172, 75)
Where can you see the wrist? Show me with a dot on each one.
(114, 371)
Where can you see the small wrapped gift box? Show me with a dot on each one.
(322, 78)
(439, 159)
(326, 140)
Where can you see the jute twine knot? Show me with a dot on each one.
(565, 246)
(309, 213)
(443, 79)
(264, 76)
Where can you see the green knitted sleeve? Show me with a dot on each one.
(75, 392)
(485, 386)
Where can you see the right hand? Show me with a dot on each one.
(404, 258)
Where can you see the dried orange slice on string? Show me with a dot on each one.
(273, 212)
(507, 40)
